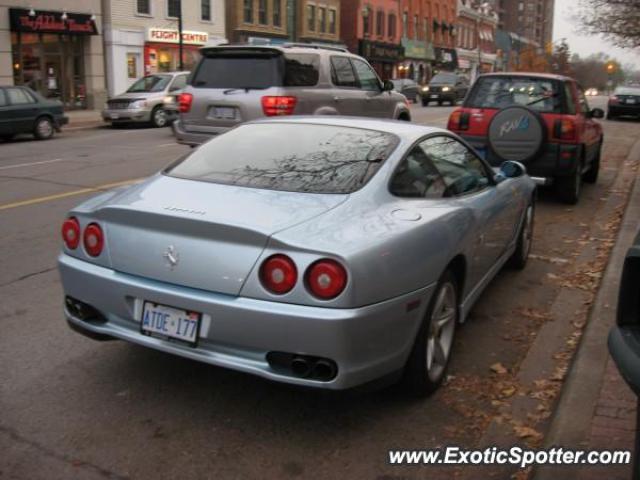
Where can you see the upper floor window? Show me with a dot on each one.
(415, 27)
(405, 24)
(426, 29)
(366, 21)
(248, 11)
(143, 7)
(332, 20)
(173, 8)
(205, 10)
(380, 23)
(262, 12)
(311, 18)
(322, 19)
(391, 29)
(277, 13)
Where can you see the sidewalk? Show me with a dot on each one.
(597, 410)
(80, 119)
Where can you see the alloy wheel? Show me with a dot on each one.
(440, 333)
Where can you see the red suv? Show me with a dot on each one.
(540, 120)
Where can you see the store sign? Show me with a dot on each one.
(169, 35)
(381, 52)
(418, 49)
(51, 22)
(447, 58)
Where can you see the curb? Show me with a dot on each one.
(571, 423)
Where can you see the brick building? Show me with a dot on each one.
(418, 49)
(476, 38)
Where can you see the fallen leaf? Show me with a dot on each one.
(499, 368)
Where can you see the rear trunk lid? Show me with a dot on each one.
(197, 234)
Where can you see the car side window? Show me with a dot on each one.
(584, 105)
(461, 170)
(366, 75)
(417, 177)
(18, 96)
(568, 93)
(3, 99)
(178, 83)
(342, 72)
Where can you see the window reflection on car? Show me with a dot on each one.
(150, 83)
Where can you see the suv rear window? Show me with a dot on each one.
(257, 70)
(541, 94)
(290, 157)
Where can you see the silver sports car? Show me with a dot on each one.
(325, 252)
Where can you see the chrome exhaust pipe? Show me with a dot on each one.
(300, 367)
(324, 370)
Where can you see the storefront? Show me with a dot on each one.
(162, 50)
(383, 57)
(446, 59)
(48, 52)
(418, 56)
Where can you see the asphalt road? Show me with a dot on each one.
(74, 408)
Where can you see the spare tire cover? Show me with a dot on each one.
(517, 133)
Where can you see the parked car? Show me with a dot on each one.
(592, 92)
(143, 102)
(24, 111)
(408, 87)
(624, 101)
(445, 87)
(543, 121)
(235, 84)
(268, 254)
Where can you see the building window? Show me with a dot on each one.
(248, 11)
(391, 29)
(262, 12)
(426, 29)
(277, 13)
(405, 24)
(173, 8)
(132, 65)
(415, 27)
(143, 7)
(380, 24)
(332, 20)
(322, 18)
(311, 18)
(366, 21)
(205, 10)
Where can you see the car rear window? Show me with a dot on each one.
(256, 70)
(290, 157)
(541, 94)
(627, 91)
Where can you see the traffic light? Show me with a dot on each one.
(611, 67)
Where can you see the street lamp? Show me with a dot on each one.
(180, 42)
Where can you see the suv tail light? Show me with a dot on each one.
(326, 279)
(272, 105)
(93, 239)
(459, 120)
(614, 100)
(278, 274)
(184, 102)
(565, 129)
(71, 233)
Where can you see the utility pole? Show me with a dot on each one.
(180, 43)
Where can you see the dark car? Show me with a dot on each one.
(24, 111)
(408, 87)
(445, 87)
(543, 121)
(624, 101)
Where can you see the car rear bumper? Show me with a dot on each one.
(624, 346)
(624, 110)
(194, 136)
(366, 343)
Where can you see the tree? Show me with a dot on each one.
(617, 20)
(561, 59)
(592, 71)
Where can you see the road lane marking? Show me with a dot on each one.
(57, 196)
(7, 167)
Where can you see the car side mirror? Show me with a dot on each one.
(596, 113)
(387, 86)
(511, 169)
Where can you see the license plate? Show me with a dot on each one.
(224, 112)
(115, 116)
(631, 101)
(170, 323)
(433, 96)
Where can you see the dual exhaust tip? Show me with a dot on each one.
(303, 366)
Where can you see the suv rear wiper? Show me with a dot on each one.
(542, 98)
(246, 89)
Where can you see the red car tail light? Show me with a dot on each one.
(184, 102)
(71, 233)
(614, 100)
(272, 105)
(278, 274)
(459, 120)
(326, 279)
(93, 239)
(565, 129)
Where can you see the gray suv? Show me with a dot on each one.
(235, 84)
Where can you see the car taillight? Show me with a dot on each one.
(565, 129)
(71, 233)
(326, 279)
(93, 239)
(272, 106)
(614, 100)
(278, 274)
(459, 120)
(184, 102)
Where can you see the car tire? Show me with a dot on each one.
(43, 128)
(424, 372)
(591, 175)
(520, 256)
(159, 117)
(7, 137)
(568, 188)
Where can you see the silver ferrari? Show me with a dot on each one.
(325, 252)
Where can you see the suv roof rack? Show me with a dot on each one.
(314, 45)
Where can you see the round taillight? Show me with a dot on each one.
(71, 233)
(326, 279)
(278, 274)
(93, 239)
